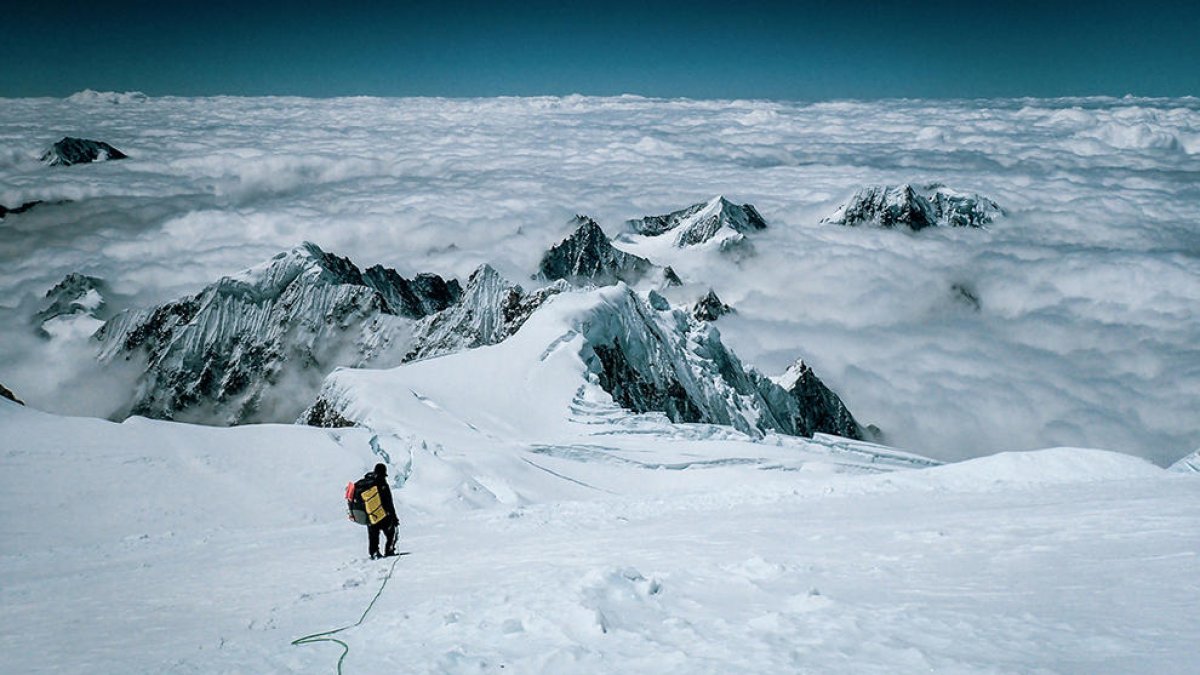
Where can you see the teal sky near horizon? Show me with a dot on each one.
(802, 50)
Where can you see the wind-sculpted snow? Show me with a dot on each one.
(635, 552)
(1086, 332)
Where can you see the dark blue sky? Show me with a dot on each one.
(800, 50)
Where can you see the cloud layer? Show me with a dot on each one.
(1087, 333)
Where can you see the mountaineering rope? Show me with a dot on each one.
(324, 636)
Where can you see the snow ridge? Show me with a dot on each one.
(647, 356)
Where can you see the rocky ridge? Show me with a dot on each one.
(70, 151)
(933, 205)
(587, 256)
(717, 219)
(216, 356)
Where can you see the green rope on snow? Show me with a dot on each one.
(325, 635)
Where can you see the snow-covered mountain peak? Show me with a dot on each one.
(218, 355)
(587, 256)
(70, 151)
(818, 409)
(710, 307)
(932, 205)
(644, 355)
(718, 219)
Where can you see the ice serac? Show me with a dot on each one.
(818, 409)
(1189, 464)
(70, 151)
(933, 205)
(587, 256)
(717, 219)
(254, 346)
(710, 307)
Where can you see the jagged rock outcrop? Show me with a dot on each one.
(587, 256)
(670, 278)
(4, 210)
(817, 409)
(5, 392)
(70, 151)
(710, 307)
(933, 205)
(217, 356)
(421, 296)
(75, 294)
(717, 219)
(491, 310)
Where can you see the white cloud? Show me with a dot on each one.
(1088, 333)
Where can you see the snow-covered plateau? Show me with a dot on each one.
(608, 349)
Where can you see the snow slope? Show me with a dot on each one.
(161, 547)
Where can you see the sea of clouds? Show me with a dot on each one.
(1088, 326)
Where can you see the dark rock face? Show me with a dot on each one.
(702, 222)
(321, 414)
(75, 294)
(424, 295)
(818, 409)
(633, 391)
(4, 210)
(661, 360)
(5, 392)
(587, 256)
(70, 151)
(710, 307)
(934, 205)
(670, 278)
(217, 356)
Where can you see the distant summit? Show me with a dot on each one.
(934, 205)
(717, 219)
(70, 151)
(89, 96)
(587, 256)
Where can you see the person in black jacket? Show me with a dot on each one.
(388, 524)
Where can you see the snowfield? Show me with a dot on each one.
(160, 547)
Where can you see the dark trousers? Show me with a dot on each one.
(388, 527)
